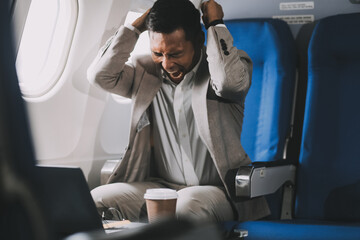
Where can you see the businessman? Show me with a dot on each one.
(188, 105)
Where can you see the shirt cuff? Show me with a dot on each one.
(221, 25)
(132, 28)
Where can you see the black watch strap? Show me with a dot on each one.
(215, 22)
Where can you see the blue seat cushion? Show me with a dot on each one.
(297, 230)
(328, 185)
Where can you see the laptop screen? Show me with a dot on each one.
(66, 200)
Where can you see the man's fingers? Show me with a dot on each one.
(202, 7)
(211, 11)
(139, 23)
(204, 4)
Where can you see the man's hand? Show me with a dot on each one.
(139, 23)
(211, 11)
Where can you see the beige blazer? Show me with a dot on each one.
(222, 82)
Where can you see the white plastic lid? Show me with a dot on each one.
(160, 194)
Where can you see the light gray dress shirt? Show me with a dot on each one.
(180, 155)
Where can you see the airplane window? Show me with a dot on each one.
(142, 47)
(45, 44)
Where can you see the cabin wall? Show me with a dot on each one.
(269, 8)
(75, 123)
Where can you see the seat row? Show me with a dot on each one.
(302, 109)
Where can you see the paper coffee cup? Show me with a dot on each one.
(160, 203)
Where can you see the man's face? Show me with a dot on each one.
(176, 55)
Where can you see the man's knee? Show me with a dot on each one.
(204, 203)
(103, 199)
(121, 200)
(191, 206)
(102, 195)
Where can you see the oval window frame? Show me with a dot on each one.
(58, 51)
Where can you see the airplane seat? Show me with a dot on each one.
(328, 183)
(269, 103)
(330, 154)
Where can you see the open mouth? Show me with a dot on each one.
(176, 75)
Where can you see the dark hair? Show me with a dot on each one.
(168, 15)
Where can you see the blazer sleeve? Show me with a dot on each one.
(110, 69)
(230, 68)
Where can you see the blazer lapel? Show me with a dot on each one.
(202, 106)
(147, 90)
(199, 103)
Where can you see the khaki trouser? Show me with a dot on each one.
(126, 201)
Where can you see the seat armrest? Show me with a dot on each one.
(108, 169)
(263, 178)
(281, 162)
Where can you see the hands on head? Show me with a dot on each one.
(140, 22)
(211, 11)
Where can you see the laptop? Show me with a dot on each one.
(66, 200)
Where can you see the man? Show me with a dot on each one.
(188, 105)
